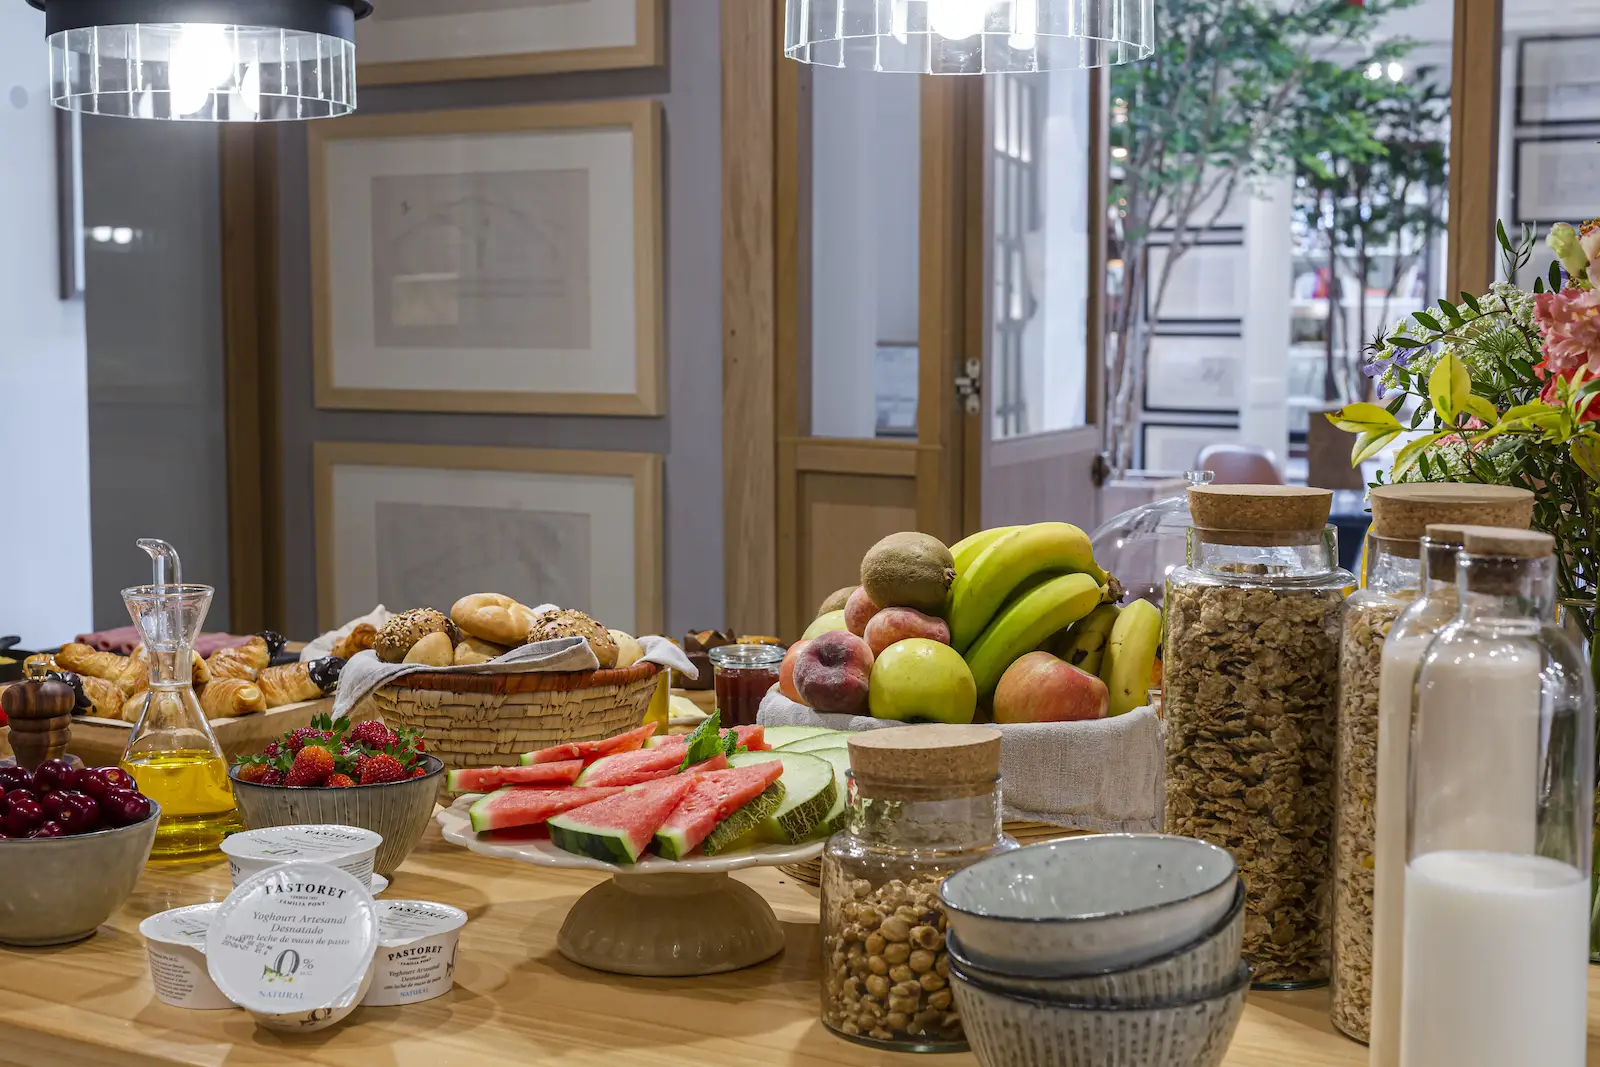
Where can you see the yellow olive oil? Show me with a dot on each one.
(197, 808)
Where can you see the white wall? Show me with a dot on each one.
(46, 580)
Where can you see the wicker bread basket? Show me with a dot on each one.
(479, 720)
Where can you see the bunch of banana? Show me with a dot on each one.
(1000, 562)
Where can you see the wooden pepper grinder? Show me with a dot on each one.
(40, 710)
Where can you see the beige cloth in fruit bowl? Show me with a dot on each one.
(1105, 775)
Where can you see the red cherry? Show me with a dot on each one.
(48, 829)
(23, 814)
(14, 777)
(21, 794)
(118, 778)
(55, 774)
(76, 812)
(124, 807)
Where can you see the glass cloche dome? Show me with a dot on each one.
(1142, 545)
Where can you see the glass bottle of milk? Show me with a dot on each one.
(1501, 797)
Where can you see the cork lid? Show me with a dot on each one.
(1502, 541)
(1404, 512)
(1447, 533)
(959, 760)
(1258, 514)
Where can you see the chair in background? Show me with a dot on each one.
(1235, 464)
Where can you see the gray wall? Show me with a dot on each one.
(689, 435)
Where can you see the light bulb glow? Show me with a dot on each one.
(1374, 70)
(956, 20)
(202, 61)
(1396, 71)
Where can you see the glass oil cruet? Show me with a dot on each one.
(173, 754)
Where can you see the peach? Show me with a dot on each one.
(1041, 688)
(899, 624)
(834, 673)
(858, 611)
(786, 672)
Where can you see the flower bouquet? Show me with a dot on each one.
(1504, 388)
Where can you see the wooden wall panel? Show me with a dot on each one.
(1474, 145)
(842, 516)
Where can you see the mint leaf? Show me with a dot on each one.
(730, 740)
(705, 742)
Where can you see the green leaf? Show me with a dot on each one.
(1451, 312)
(1364, 418)
(704, 743)
(1429, 321)
(1407, 457)
(1500, 232)
(1472, 302)
(1538, 286)
(1477, 405)
(1407, 342)
(1449, 386)
(1393, 407)
(1370, 443)
(1585, 452)
(1555, 277)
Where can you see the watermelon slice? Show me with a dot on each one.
(619, 828)
(753, 738)
(520, 806)
(633, 768)
(488, 779)
(719, 762)
(589, 751)
(713, 797)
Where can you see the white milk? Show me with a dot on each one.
(1477, 788)
(1496, 962)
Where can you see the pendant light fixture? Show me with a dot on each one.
(969, 36)
(206, 60)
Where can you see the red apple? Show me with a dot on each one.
(1041, 688)
(833, 673)
(899, 624)
(786, 672)
(858, 611)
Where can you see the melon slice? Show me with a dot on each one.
(488, 779)
(744, 828)
(778, 736)
(634, 768)
(713, 797)
(818, 741)
(589, 751)
(834, 820)
(619, 828)
(512, 806)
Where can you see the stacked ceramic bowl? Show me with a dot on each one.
(1116, 950)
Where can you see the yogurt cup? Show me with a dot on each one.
(294, 946)
(176, 943)
(349, 848)
(416, 958)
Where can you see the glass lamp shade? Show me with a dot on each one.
(969, 36)
(205, 60)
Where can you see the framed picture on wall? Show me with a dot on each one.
(1208, 284)
(422, 525)
(1176, 447)
(452, 40)
(1557, 81)
(1553, 180)
(503, 259)
(1193, 372)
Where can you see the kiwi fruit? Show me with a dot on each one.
(908, 570)
(835, 602)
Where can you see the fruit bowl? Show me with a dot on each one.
(54, 890)
(398, 811)
(658, 917)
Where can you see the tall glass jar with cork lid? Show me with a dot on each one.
(924, 802)
(1392, 580)
(1252, 672)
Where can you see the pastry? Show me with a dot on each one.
(488, 650)
(563, 622)
(107, 699)
(629, 651)
(396, 637)
(225, 698)
(231, 663)
(135, 674)
(291, 683)
(433, 650)
(250, 658)
(358, 640)
(81, 659)
(493, 617)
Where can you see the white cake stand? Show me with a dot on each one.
(659, 918)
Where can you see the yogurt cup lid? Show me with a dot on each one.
(316, 843)
(404, 921)
(181, 926)
(293, 938)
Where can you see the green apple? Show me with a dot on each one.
(922, 679)
(833, 620)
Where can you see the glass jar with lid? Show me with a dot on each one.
(1392, 581)
(1145, 544)
(1252, 673)
(924, 802)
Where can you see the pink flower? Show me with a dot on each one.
(1570, 323)
(1551, 393)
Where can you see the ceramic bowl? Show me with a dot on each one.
(399, 811)
(59, 889)
(1083, 905)
(1195, 970)
(1009, 1031)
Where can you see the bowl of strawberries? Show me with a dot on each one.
(362, 774)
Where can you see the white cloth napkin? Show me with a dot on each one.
(366, 672)
(1105, 775)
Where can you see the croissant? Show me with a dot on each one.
(291, 683)
(107, 699)
(358, 640)
(231, 663)
(225, 698)
(135, 672)
(83, 660)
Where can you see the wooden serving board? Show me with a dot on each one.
(101, 742)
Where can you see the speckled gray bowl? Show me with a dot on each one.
(1083, 905)
(1200, 968)
(1009, 1031)
(59, 889)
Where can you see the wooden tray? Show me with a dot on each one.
(101, 742)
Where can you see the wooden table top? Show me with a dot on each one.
(516, 1000)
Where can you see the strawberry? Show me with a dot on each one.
(420, 772)
(272, 751)
(340, 781)
(376, 770)
(304, 736)
(253, 772)
(373, 734)
(312, 765)
(274, 777)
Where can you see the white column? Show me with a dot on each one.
(1269, 253)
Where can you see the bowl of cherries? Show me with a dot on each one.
(58, 822)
